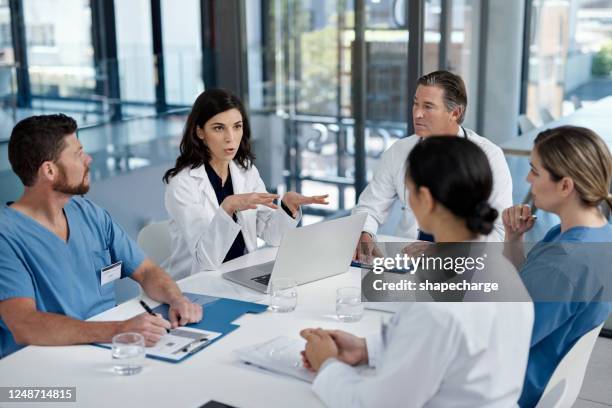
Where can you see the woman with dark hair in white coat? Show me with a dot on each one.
(217, 202)
(435, 354)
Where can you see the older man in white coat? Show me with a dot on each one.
(439, 107)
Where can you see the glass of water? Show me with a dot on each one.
(348, 304)
(128, 353)
(283, 295)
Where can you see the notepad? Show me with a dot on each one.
(280, 355)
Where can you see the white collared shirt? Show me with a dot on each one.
(388, 185)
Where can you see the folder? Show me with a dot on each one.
(219, 314)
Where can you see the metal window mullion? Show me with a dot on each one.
(415, 16)
(359, 96)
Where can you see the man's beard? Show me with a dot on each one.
(62, 186)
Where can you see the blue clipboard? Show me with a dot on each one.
(219, 313)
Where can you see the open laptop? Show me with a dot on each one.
(307, 254)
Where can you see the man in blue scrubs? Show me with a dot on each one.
(60, 254)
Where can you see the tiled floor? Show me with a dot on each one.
(597, 387)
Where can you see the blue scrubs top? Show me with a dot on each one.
(561, 267)
(62, 277)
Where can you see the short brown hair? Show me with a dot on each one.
(453, 86)
(35, 140)
(580, 154)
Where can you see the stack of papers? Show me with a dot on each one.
(280, 355)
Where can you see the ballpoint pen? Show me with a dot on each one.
(150, 311)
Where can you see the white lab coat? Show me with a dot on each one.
(438, 355)
(202, 232)
(388, 185)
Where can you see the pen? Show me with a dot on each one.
(150, 311)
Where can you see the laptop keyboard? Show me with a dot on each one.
(263, 279)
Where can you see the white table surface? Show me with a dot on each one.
(213, 373)
(597, 117)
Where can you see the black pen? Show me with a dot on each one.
(150, 311)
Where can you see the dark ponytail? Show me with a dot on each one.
(457, 173)
(482, 219)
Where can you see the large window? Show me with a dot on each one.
(182, 40)
(60, 52)
(135, 50)
(570, 56)
(309, 78)
(7, 59)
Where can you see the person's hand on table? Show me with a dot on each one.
(352, 350)
(182, 311)
(320, 346)
(152, 327)
(415, 249)
(294, 200)
(366, 249)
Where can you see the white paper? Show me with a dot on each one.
(179, 343)
(280, 355)
(176, 344)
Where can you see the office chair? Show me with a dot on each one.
(154, 239)
(564, 386)
(546, 116)
(525, 124)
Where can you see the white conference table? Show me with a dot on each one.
(212, 374)
(597, 117)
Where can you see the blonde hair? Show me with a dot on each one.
(580, 154)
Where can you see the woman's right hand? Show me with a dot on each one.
(248, 201)
(517, 221)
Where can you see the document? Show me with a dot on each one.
(280, 355)
(181, 342)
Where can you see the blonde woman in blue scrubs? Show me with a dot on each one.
(571, 170)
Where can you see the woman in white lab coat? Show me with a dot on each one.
(435, 354)
(217, 202)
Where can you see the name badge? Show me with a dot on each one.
(110, 273)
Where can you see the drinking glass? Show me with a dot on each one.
(283, 295)
(348, 304)
(128, 353)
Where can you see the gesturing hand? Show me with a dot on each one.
(248, 201)
(294, 200)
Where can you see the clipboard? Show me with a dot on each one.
(219, 314)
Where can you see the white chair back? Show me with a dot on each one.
(546, 116)
(564, 386)
(525, 124)
(154, 239)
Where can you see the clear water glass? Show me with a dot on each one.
(283, 295)
(128, 353)
(348, 304)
